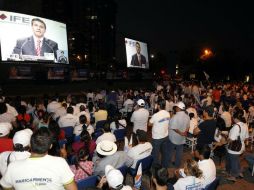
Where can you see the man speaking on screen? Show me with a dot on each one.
(138, 59)
(37, 44)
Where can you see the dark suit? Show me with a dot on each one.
(27, 47)
(135, 62)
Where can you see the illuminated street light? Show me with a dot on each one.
(206, 54)
(152, 56)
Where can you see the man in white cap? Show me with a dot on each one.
(5, 142)
(107, 154)
(178, 128)
(115, 178)
(21, 142)
(140, 117)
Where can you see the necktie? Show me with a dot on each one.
(38, 48)
(139, 59)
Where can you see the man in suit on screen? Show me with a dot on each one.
(138, 59)
(37, 44)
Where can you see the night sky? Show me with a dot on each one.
(182, 24)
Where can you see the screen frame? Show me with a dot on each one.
(148, 55)
(46, 20)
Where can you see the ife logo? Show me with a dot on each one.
(14, 18)
(3, 16)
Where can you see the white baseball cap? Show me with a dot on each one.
(181, 105)
(141, 102)
(5, 129)
(114, 177)
(23, 137)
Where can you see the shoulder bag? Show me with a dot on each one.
(236, 145)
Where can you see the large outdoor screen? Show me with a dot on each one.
(136, 53)
(30, 38)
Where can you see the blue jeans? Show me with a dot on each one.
(168, 151)
(157, 149)
(233, 164)
(250, 160)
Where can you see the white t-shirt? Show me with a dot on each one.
(192, 110)
(53, 106)
(127, 103)
(13, 156)
(7, 117)
(169, 106)
(234, 133)
(87, 114)
(106, 136)
(44, 173)
(68, 120)
(207, 101)
(126, 187)
(193, 125)
(122, 126)
(227, 118)
(78, 129)
(12, 110)
(209, 170)
(160, 121)
(140, 119)
(76, 110)
(98, 97)
(140, 151)
(189, 182)
(90, 95)
(59, 112)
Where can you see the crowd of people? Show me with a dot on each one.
(38, 152)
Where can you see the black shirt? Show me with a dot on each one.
(207, 130)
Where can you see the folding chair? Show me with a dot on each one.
(76, 138)
(68, 133)
(146, 165)
(87, 182)
(97, 133)
(62, 143)
(100, 124)
(213, 185)
(120, 134)
(124, 170)
(191, 142)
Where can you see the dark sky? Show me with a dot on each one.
(181, 24)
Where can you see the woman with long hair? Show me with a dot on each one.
(57, 134)
(118, 122)
(85, 142)
(82, 167)
(192, 177)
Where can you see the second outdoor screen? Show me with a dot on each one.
(136, 53)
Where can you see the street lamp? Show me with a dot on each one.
(207, 53)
